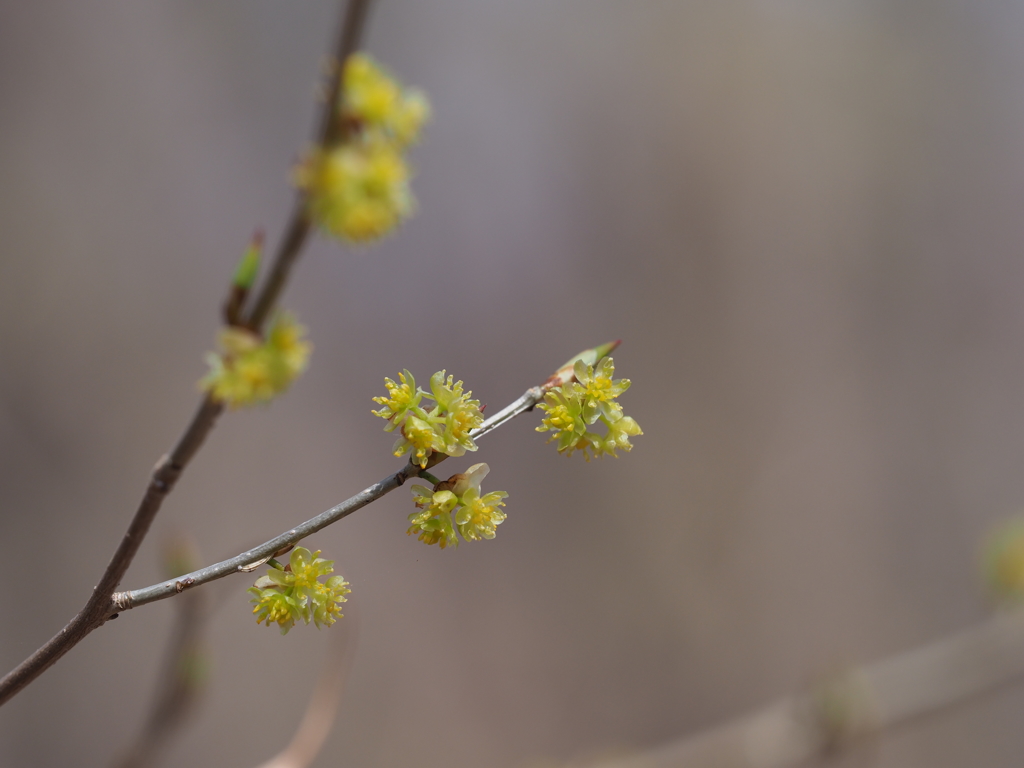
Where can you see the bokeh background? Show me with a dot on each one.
(804, 220)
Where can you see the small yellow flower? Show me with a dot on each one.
(370, 94)
(418, 436)
(358, 191)
(374, 99)
(434, 524)
(443, 425)
(460, 413)
(480, 515)
(475, 515)
(585, 399)
(250, 370)
(400, 398)
(410, 117)
(295, 593)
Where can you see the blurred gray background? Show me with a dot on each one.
(804, 220)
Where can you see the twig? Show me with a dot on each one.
(331, 130)
(123, 601)
(887, 694)
(179, 685)
(323, 706)
(169, 469)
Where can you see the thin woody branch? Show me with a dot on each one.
(181, 682)
(123, 601)
(312, 733)
(170, 469)
(856, 705)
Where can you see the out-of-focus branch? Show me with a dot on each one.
(171, 467)
(330, 130)
(123, 601)
(863, 702)
(323, 704)
(182, 678)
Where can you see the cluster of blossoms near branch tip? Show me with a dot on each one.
(572, 408)
(249, 369)
(358, 189)
(443, 426)
(457, 500)
(295, 593)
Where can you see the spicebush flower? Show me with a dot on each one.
(1004, 560)
(249, 370)
(400, 398)
(434, 524)
(372, 97)
(295, 593)
(440, 420)
(459, 412)
(475, 515)
(572, 407)
(358, 189)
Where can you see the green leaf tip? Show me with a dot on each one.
(249, 266)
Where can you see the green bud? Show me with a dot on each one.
(249, 266)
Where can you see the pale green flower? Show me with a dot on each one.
(480, 515)
(475, 514)
(358, 189)
(377, 102)
(400, 399)
(587, 399)
(276, 607)
(617, 437)
(457, 412)
(284, 596)
(440, 420)
(418, 437)
(434, 523)
(250, 370)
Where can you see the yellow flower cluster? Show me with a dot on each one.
(249, 370)
(358, 190)
(476, 516)
(442, 427)
(295, 593)
(588, 398)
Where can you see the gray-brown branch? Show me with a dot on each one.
(860, 703)
(123, 601)
(170, 469)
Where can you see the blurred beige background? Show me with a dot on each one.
(803, 218)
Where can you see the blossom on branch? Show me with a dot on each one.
(249, 369)
(440, 420)
(358, 188)
(583, 401)
(295, 592)
(476, 515)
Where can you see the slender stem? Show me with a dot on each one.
(179, 688)
(526, 402)
(330, 131)
(312, 733)
(170, 468)
(853, 707)
(123, 601)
